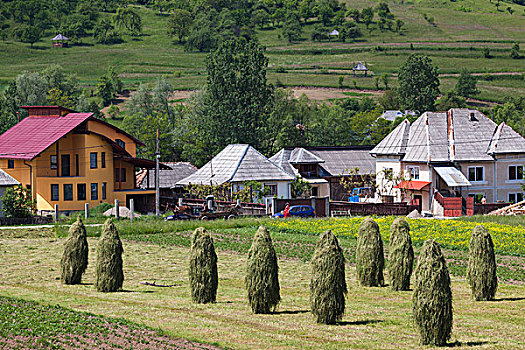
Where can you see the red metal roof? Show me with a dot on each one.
(33, 135)
(412, 185)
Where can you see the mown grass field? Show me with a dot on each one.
(455, 41)
(157, 252)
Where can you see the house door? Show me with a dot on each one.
(65, 165)
(418, 200)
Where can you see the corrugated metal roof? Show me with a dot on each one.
(452, 176)
(281, 159)
(169, 177)
(395, 142)
(506, 140)
(33, 135)
(237, 163)
(338, 161)
(412, 185)
(438, 137)
(7, 180)
(302, 156)
(417, 144)
(472, 136)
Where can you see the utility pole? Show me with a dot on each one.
(157, 167)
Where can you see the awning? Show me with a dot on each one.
(145, 163)
(412, 185)
(316, 181)
(452, 176)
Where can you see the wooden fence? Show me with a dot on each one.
(364, 209)
(34, 220)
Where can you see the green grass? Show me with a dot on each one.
(374, 317)
(454, 43)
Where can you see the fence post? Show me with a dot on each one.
(117, 210)
(274, 204)
(56, 212)
(86, 210)
(327, 206)
(312, 203)
(131, 209)
(180, 201)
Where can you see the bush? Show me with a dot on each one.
(328, 284)
(17, 202)
(432, 298)
(203, 274)
(110, 275)
(401, 258)
(369, 259)
(262, 274)
(75, 257)
(481, 270)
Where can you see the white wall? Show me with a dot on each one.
(382, 186)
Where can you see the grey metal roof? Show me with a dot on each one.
(237, 163)
(452, 176)
(338, 161)
(7, 180)
(506, 140)
(395, 142)
(359, 66)
(169, 178)
(281, 159)
(438, 137)
(472, 137)
(391, 115)
(302, 156)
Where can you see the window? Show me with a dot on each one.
(272, 189)
(104, 190)
(77, 165)
(54, 192)
(515, 172)
(10, 164)
(81, 192)
(315, 191)
(65, 165)
(477, 197)
(476, 173)
(54, 161)
(296, 209)
(121, 143)
(94, 192)
(93, 160)
(120, 175)
(103, 159)
(413, 172)
(68, 192)
(515, 197)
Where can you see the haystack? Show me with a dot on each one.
(370, 259)
(432, 298)
(328, 284)
(481, 270)
(262, 274)
(75, 257)
(203, 274)
(110, 275)
(401, 256)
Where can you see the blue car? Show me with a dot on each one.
(303, 211)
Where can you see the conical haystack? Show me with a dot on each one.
(328, 284)
(401, 255)
(75, 257)
(370, 259)
(262, 274)
(481, 270)
(203, 274)
(110, 275)
(432, 298)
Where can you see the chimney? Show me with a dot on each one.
(46, 111)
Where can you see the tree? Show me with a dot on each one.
(17, 202)
(369, 258)
(105, 90)
(105, 32)
(202, 273)
(399, 25)
(320, 32)
(418, 84)
(75, 257)
(328, 284)
(432, 297)
(401, 255)
(292, 29)
(30, 34)
(466, 85)
(389, 100)
(515, 51)
(451, 100)
(109, 273)
(349, 30)
(354, 14)
(179, 23)
(262, 274)
(367, 14)
(325, 13)
(481, 270)
(128, 19)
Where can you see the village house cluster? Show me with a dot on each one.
(70, 159)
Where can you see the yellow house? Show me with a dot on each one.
(70, 159)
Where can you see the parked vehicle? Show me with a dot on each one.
(302, 211)
(361, 194)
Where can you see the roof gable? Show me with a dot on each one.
(395, 142)
(302, 156)
(506, 140)
(7, 180)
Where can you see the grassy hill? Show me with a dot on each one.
(455, 39)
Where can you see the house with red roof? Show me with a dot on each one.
(70, 159)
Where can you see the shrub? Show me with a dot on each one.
(109, 259)
(17, 202)
(203, 274)
(401, 258)
(262, 274)
(432, 298)
(328, 284)
(75, 257)
(481, 270)
(369, 259)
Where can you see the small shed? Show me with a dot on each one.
(60, 41)
(6, 181)
(360, 67)
(333, 33)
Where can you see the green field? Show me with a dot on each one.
(455, 41)
(375, 318)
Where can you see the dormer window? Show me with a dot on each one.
(121, 143)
